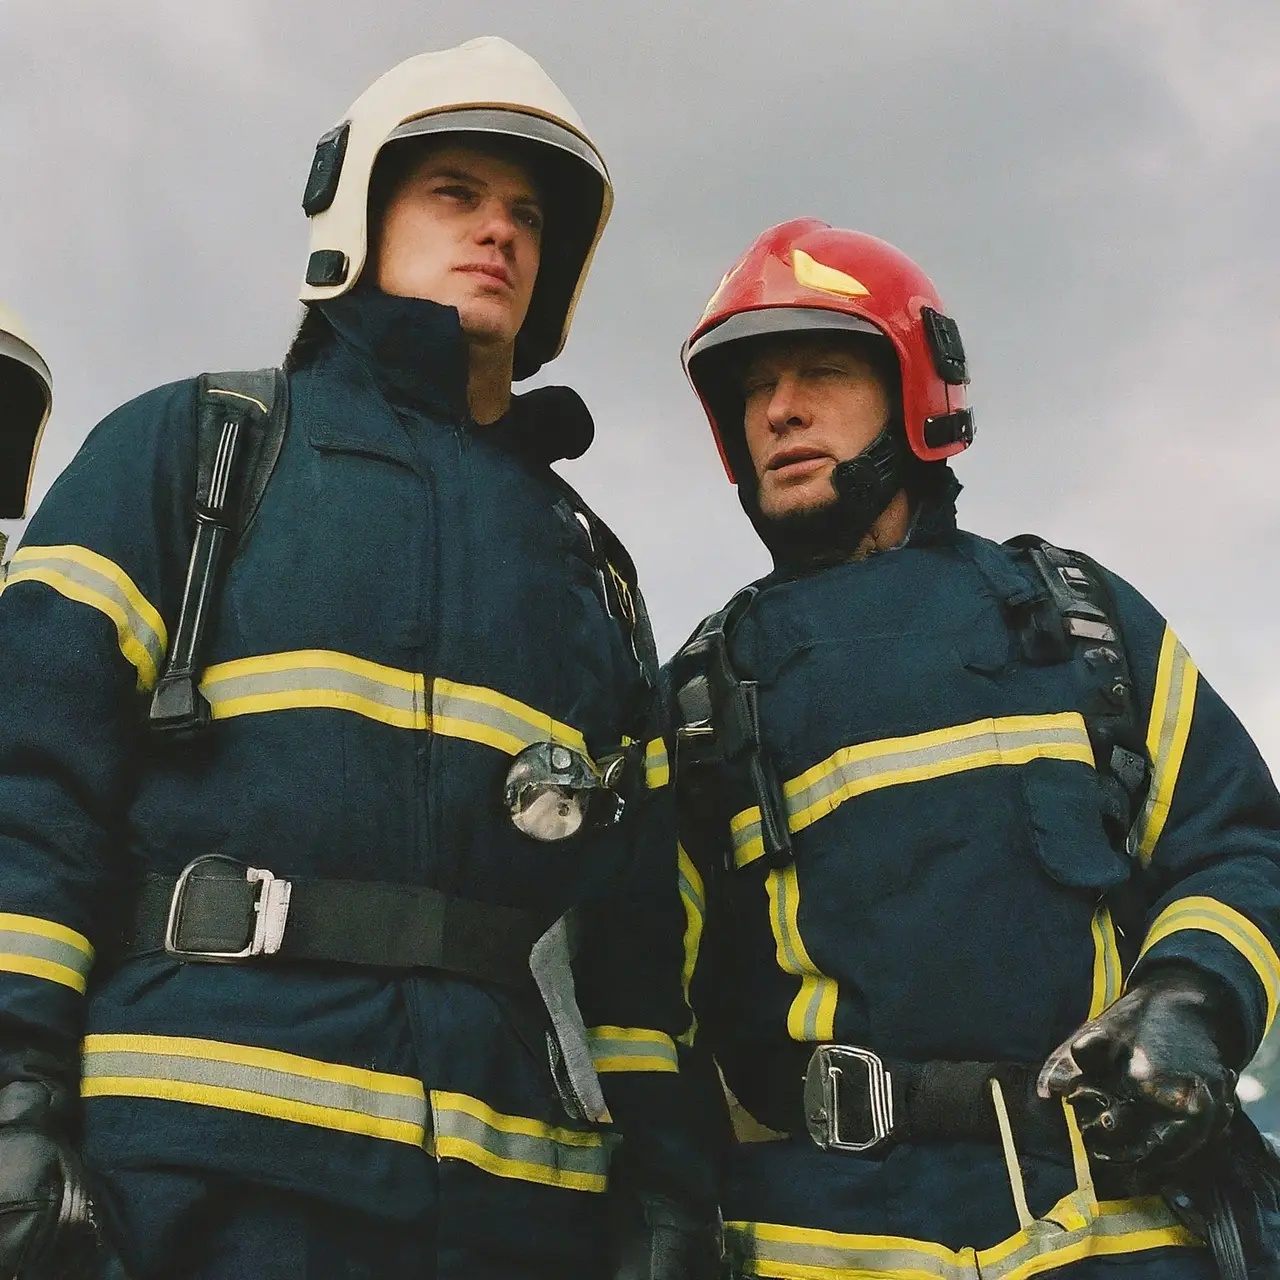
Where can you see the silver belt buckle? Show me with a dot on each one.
(270, 914)
(826, 1083)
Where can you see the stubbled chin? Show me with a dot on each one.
(779, 504)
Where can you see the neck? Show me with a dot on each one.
(889, 529)
(489, 382)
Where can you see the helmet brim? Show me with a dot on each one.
(772, 321)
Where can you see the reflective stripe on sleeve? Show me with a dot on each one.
(263, 1082)
(1212, 916)
(1108, 975)
(88, 578)
(486, 716)
(693, 896)
(872, 766)
(1172, 707)
(795, 1253)
(632, 1049)
(813, 1012)
(316, 678)
(516, 1147)
(44, 949)
(657, 768)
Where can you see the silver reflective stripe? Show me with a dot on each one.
(855, 770)
(88, 578)
(224, 689)
(44, 949)
(264, 1082)
(632, 1049)
(485, 716)
(1119, 1227)
(1005, 741)
(516, 1147)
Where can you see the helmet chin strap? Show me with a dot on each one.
(864, 486)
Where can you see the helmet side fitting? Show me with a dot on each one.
(26, 398)
(485, 87)
(805, 275)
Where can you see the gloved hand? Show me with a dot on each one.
(47, 1231)
(1150, 1078)
(659, 1240)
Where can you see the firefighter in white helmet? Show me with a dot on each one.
(306, 960)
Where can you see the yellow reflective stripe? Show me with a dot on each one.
(1212, 916)
(799, 1253)
(1108, 976)
(40, 948)
(483, 715)
(657, 768)
(90, 579)
(813, 1011)
(632, 1049)
(889, 762)
(316, 678)
(515, 1147)
(693, 896)
(264, 1082)
(1172, 707)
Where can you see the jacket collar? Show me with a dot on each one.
(412, 349)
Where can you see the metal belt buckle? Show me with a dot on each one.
(270, 913)
(826, 1092)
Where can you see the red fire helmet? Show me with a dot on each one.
(806, 275)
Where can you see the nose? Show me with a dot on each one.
(497, 224)
(785, 410)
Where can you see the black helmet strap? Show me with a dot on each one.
(864, 486)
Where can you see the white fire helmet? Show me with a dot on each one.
(26, 396)
(486, 87)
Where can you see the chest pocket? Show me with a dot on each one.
(1064, 817)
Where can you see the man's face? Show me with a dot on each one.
(811, 402)
(464, 228)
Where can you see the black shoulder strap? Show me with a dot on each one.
(1076, 619)
(241, 419)
(718, 722)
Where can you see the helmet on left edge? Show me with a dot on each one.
(26, 396)
(484, 87)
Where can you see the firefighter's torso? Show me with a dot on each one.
(414, 604)
(945, 897)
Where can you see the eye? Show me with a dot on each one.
(757, 387)
(455, 191)
(530, 218)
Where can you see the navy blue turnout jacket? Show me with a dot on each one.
(416, 602)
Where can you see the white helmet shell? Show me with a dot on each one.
(486, 86)
(26, 396)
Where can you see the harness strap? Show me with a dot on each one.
(241, 418)
(720, 722)
(215, 912)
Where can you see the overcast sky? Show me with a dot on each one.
(1093, 187)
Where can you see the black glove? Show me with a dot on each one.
(657, 1240)
(1150, 1078)
(47, 1231)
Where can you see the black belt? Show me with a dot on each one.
(852, 1100)
(219, 910)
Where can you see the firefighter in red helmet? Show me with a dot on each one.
(992, 876)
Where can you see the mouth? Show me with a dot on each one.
(796, 458)
(496, 272)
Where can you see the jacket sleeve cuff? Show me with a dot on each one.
(1221, 941)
